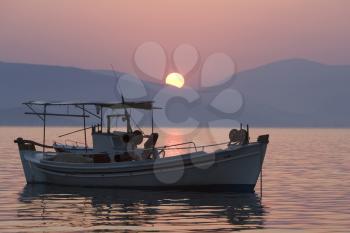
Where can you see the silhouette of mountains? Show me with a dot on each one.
(288, 93)
(296, 92)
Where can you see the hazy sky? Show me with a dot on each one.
(94, 34)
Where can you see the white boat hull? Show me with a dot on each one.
(232, 169)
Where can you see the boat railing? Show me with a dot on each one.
(70, 141)
(190, 147)
(179, 144)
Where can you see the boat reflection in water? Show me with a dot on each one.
(60, 208)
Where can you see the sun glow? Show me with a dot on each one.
(175, 79)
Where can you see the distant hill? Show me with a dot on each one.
(288, 93)
(23, 82)
(296, 92)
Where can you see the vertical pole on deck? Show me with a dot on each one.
(152, 121)
(241, 133)
(84, 128)
(261, 178)
(248, 132)
(152, 134)
(44, 133)
(101, 119)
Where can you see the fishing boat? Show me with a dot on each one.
(131, 158)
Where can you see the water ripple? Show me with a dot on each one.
(306, 188)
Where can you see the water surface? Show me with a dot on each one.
(306, 187)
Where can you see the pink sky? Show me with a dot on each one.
(94, 34)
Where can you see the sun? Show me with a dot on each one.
(175, 79)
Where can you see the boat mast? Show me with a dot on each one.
(152, 121)
(44, 133)
(128, 124)
(101, 118)
(84, 127)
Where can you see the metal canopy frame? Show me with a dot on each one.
(145, 105)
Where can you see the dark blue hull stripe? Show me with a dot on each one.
(241, 188)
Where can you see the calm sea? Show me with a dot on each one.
(306, 188)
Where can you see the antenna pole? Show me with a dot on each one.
(116, 78)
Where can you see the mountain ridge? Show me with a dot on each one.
(290, 92)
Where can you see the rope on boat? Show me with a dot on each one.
(182, 148)
(192, 147)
